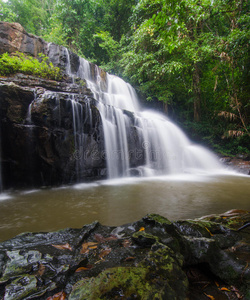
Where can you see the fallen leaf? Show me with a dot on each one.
(236, 291)
(104, 253)
(217, 284)
(209, 231)
(99, 238)
(89, 267)
(58, 296)
(209, 296)
(142, 229)
(224, 289)
(129, 258)
(63, 247)
(41, 270)
(87, 246)
(126, 243)
(91, 244)
(93, 247)
(112, 238)
(84, 251)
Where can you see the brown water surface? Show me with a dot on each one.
(121, 201)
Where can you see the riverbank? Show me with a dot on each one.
(152, 258)
(239, 163)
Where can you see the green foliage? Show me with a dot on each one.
(19, 63)
(55, 33)
(6, 13)
(194, 56)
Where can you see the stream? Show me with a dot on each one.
(120, 201)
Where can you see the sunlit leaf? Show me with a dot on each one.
(63, 247)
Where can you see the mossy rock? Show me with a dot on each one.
(19, 263)
(158, 276)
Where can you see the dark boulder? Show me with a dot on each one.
(42, 143)
(149, 259)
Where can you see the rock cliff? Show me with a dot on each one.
(43, 142)
(38, 134)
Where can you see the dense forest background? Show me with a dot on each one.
(191, 57)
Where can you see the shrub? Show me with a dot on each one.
(21, 63)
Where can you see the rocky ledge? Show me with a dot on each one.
(206, 258)
(239, 163)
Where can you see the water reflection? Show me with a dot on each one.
(117, 202)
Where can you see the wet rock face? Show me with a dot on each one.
(149, 259)
(14, 38)
(51, 133)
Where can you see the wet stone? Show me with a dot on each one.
(21, 288)
(19, 262)
(152, 258)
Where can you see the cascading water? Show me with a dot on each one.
(163, 147)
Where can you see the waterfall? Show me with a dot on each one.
(163, 148)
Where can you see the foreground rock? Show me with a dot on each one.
(149, 259)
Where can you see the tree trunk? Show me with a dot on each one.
(165, 107)
(197, 93)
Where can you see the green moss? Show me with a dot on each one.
(20, 63)
(80, 82)
(158, 219)
(19, 263)
(158, 276)
(115, 281)
(145, 236)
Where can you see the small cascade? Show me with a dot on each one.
(77, 112)
(163, 147)
(68, 65)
